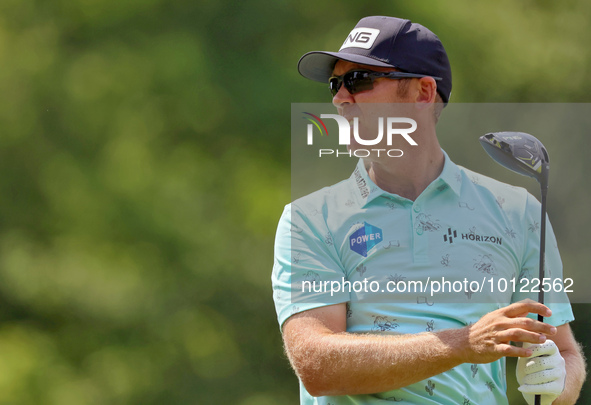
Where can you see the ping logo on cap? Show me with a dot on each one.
(361, 38)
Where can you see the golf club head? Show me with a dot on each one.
(519, 152)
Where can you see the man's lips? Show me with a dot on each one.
(350, 112)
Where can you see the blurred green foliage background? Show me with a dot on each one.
(144, 163)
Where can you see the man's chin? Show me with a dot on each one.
(352, 147)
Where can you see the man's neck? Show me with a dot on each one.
(409, 175)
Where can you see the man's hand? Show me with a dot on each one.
(544, 373)
(490, 338)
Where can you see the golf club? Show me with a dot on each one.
(523, 154)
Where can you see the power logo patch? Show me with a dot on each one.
(365, 239)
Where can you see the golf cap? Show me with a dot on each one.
(385, 42)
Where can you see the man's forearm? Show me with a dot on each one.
(345, 363)
(330, 361)
(575, 377)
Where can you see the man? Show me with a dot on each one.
(401, 219)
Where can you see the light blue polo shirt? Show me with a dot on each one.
(384, 255)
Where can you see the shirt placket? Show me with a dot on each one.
(420, 235)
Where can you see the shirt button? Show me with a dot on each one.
(417, 208)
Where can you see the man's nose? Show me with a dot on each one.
(342, 97)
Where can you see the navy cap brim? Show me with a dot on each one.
(318, 65)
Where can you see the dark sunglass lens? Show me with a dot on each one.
(334, 85)
(354, 82)
(358, 81)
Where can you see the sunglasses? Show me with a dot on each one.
(361, 80)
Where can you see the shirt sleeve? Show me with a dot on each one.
(553, 284)
(306, 263)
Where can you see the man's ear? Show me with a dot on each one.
(427, 90)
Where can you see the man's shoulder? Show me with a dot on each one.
(327, 197)
(484, 182)
(506, 195)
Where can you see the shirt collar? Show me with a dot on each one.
(451, 175)
(367, 191)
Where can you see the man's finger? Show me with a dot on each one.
(530, 325)
(548, 348)
(521, 335)
(554, 387)
(537, 364)
(539, 378)
(527, 307)
(512, 351)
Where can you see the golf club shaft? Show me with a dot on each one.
(538, 398)
(524, 154)
(542, 251)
